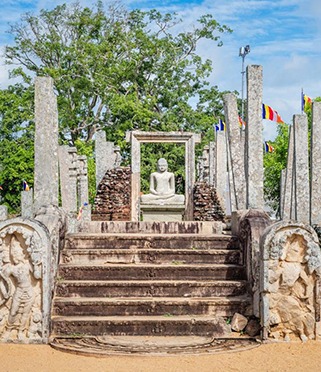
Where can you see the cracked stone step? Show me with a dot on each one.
(175, 288)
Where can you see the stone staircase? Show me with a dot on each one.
(144, 279)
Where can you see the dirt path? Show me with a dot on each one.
(272, 357)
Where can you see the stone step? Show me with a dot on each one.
(140, 288)
(159, 256)
(162, 306)
(145, 227)
(147, 241)
(151, 272)
(139, 325)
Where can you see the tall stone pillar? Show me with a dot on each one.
(27, 204)
(236, 152)
(254, 138)
(221, 167)
(301, 169)
(83, 196)
(315, 218)
(46, 144)
(211, 170)
(104, 155)
(288, 197)
(68, 177)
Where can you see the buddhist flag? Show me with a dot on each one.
(25, 186)
(220, 126)
(270, 114)
(268, 147)
(242, 123)
(306, 102)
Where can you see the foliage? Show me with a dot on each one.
(273, 164)
(16, 142)
(115, 70)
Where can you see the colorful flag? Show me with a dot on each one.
(80, 211)
(25, 186)
(268, 147)
(306, 102)
(270, 114)
(242, 123)
(220, 126)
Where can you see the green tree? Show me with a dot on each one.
(115, 69)
(16, 142)
(118, 70)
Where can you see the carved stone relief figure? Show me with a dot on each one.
(20, 290)
(292, 273)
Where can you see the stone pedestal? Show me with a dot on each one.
(167, 213)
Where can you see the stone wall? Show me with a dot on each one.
(112, 202)
(207, 206)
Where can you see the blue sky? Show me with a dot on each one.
(284, 36)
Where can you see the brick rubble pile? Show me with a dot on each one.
(112, 202)
(207, 206)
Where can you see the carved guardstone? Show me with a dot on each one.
(290, 279)
(25, 282)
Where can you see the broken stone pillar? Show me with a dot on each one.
(315, 218)
(3, 212)
(27, 204)
(221, 167)
(104, 155)
(282, 190)
(68, 177)
(254, 138)
(301, 169)
(211, 165)
(46, 144)
(288, 197)
(236, 151)
(83, 196)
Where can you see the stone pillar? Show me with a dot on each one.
(236, 151)
(27, 204)
(221, 167)
(282, 190)
(68, 177)
(254, 138)
(3, 212)
(104, 155)
(83, 196)
(301, 169)
(135, 179)
(46, 144)
(315, 217)
(288, 197)
(211, 171)
(190, 177)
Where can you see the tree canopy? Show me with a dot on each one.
(113, 69)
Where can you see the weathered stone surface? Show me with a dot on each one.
(27, 204)
(3, 212)
(238, 322)
(301, 165)
(253, 327)
(235, 134)
(212, 163)
(289, 281)
(207, 205)
(26, 281)
(221, 168)
(82, 176)
(254, 138)
(112, 202)
(288, 201)
(46, 144)
(105, 155)
(315, 218)
(68, 178)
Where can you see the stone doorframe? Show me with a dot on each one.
(188, 139)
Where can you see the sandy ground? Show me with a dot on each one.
(266, 357)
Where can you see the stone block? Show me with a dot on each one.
(238, 322)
